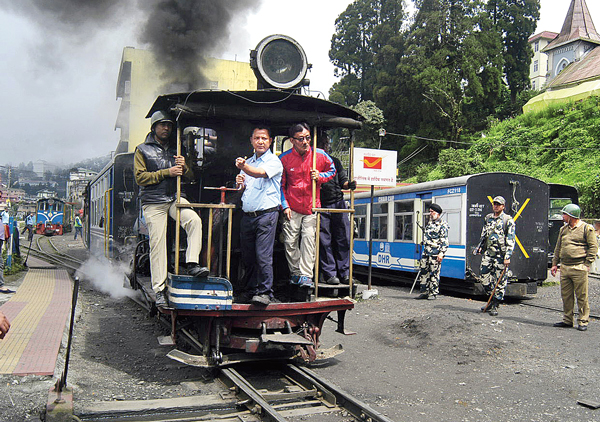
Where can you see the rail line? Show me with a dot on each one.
(57, 258)
(273, 394)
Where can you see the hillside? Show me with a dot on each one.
(560, 144)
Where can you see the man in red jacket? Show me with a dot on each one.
(297, 204)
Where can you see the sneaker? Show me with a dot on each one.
(431, 297)
(196, 270)
(493, 310)
(161, 299)
(345, 280)
(305, 281)
(563, 324)
(294, 279)
(332, 280)
(582, 327)
(263, 300)
(422, 296)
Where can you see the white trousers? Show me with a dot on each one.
(300, 258)
(156, 216)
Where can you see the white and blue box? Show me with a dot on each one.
(205, 293)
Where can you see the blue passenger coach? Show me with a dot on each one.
(400, 213)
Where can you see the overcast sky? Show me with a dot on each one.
(58, 83)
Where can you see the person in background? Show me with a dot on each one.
(29, 223)
(297, 203)
(497, 244)
(575, 251)
(78, 226)
(260, 177)
(4, 232)
(156, 167)
(334, 250)
(435, 242)
(4, 325)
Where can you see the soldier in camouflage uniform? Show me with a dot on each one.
(497, 244)
(435, 242)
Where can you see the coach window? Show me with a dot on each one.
(403, 220)
(451, 214)
(360, 221)
(380, 221)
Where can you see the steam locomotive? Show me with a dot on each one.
(213, 128)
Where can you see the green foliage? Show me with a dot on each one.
(459, 162)
(17, 264)
(368, 137)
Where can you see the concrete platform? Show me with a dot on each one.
(38, 313)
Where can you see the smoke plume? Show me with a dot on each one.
(181, 33)
(106, 277)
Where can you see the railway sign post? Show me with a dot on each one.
(375, 167)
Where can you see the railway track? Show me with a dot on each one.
(271, 394)
(55, 257)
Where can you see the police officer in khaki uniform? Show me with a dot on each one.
(575, 250)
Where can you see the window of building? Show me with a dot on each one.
(536, 46)
(536, 66)
(379, 225)
(403, 220)
(533, 85)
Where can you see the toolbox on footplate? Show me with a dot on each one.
(187, 292)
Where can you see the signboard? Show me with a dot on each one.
(375, 167)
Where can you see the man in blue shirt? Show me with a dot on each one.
(260, 176)
(29, 223)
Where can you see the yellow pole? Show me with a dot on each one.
(229, 226)
(178, 210)
(209, 245)
(314, 206)
(351, 173)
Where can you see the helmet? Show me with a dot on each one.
(160, 116)
(572, 210)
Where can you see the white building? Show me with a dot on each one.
(538, 69)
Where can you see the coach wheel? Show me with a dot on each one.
(216, 357)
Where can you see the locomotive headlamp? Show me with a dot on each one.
(279, 62)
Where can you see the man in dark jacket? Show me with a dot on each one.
(156, 167)
(334, 251)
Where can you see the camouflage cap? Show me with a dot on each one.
(500, 200)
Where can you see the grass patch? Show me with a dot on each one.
(549, 283)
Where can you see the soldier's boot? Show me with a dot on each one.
(493, 309)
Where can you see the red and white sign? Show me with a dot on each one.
(375, 167)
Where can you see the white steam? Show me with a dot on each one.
(107, 277)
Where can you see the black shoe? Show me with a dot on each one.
(196, 270)
(582, 327)
(332, 280)
(263, 300)
(563, 325)
(345, 280)
(431, 297)
(244, 297)
(422, 296)
(161, 299)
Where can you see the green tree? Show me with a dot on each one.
(360, 32)
(368, 136)
(448, 79)
(516, 20)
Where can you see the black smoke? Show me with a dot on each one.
(181, 33)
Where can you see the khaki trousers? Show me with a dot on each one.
(300, 258)
(156, 219)
(574, 283)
